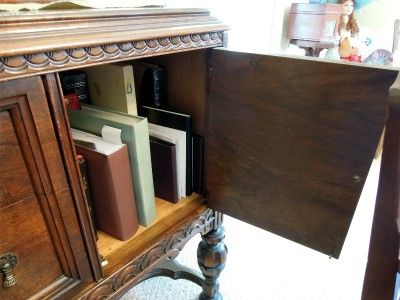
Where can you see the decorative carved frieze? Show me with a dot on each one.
(167, 247)
(40, 63)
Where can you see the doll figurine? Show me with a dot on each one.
(349, 45)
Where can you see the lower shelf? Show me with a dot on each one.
(129, 262)
(169, 217)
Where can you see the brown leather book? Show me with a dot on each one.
(112, 191)
(163, 162)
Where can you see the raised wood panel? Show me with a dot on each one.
(290, 142)
(38, 221)
(23, 228)
(59, 114)
(24, 232)
(14, 184)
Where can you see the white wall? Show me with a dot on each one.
(261, 22)
(265, 22)
(378, 18)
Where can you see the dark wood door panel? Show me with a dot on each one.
(38, 220)
(290, 142)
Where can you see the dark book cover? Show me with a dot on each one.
(163, 162)
(86, 190)
(75, 82)
(112, 191)
(151, 85)
(176, 121)
(198, 164)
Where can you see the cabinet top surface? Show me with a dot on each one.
(95, 13)
(33, 32)
(48, 41)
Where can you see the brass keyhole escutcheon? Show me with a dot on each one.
(7, 262)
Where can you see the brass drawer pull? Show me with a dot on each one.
(7, 262)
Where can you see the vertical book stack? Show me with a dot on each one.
(164, 157)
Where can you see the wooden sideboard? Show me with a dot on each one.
(289, 143)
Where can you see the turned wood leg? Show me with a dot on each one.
(211, 257)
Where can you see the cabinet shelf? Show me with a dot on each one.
(169, 217)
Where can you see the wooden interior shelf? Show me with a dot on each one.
(169, 216)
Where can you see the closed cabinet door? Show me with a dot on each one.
(41, 249)
(290, 142)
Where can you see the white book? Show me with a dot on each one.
(180, 136)
(102, 146)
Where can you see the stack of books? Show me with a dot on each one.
(164, 156)
(111, 189)
(135, 134)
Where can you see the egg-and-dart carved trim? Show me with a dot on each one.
(46, 62)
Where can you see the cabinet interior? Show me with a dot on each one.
(169, 218)
(186, 94)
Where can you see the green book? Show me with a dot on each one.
(135, 133)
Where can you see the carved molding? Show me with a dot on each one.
(132, 272)
(40, 63)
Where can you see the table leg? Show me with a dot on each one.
(211, 257)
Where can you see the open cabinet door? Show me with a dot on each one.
(291, 140)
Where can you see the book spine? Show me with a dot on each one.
(86, 190)
(75, 82)
(153, 89)
(189, 161)
(160, 88)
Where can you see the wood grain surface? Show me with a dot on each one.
(36, 220)
(167, 214)
(187, 84)
(62, 127)
(383, 256)
(290, 142)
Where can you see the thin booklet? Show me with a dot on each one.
(177, 137)
(175, 121)
(163, 162)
